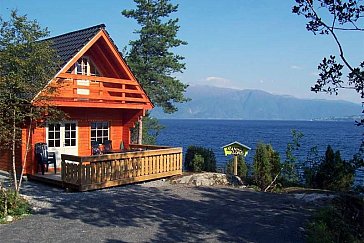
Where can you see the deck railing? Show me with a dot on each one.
(100, 171)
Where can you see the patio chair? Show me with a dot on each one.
(95, 148)
(44, 158)
(107, 146)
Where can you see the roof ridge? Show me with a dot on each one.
(99, 26)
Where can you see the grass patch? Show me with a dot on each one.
(12, 204)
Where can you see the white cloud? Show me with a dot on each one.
(217, 81)
(296, 67)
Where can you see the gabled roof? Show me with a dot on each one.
(236, 143)
(69, 44)
(122, 89)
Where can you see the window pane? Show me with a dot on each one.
(51, 127)
(99, 133)
(58, 127)
(67, 126)
(73, 126)
(99, 125)
(73, 142)
(50, 135)
(105, 125)
(51, 143)
(57, 143)
(73, 134)
(67, 134)
(93, 133)
(67, 142)
(93, 125)
(105, 133)
(57, 135)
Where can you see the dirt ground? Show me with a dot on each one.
(160, 212)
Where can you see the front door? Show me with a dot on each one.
(62, 139)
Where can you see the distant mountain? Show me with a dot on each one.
(222, 103)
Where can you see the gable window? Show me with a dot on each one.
(99, 131)
(84, 66)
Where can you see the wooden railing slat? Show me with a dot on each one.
(93, 172)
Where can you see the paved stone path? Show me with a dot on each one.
(158, 212)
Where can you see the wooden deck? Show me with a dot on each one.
(85, 173)
(48, 178)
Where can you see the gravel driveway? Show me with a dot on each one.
(158, 212)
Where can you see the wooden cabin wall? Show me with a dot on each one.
(5, 160)
(120, 123)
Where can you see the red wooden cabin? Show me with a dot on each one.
(98, 92)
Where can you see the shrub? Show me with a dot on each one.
(198, 163)
(209, 159)
(332, 173)
(289, 173)
(242, 167)
(15, 205)
(342, 221)
(266, 165)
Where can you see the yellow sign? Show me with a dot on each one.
(236, 148)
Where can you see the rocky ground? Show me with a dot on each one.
(164, 210)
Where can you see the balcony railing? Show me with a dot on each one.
(74, 89)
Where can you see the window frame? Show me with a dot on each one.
(99, 129)
(85, 66)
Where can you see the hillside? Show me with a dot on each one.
(221, 103)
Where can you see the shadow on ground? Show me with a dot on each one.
(173, 214)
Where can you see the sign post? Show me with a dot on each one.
(236, 149)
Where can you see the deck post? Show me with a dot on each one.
(140, 132)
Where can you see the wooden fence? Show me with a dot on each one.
(100, 171)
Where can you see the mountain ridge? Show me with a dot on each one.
(209, 102)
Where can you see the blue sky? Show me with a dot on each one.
(244, 44)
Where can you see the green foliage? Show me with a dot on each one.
(289, 174)
(198, 163)
(209, 159)
(266, 165)
(242, 167)
(15, 205)
(150, 57)
(342, 221)
(332, 173)
(26, 66)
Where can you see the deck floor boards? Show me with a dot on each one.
(48, 178)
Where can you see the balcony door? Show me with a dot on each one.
(62, 139)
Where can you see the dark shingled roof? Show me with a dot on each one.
(67, 45)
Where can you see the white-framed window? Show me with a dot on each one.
(100, 131)
(84, 66)
(70, 134)
(54, 135)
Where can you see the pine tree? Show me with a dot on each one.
(150, 56)
(266, 165)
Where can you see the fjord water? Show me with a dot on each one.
(214, 134)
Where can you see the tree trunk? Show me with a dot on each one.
(140, 132)
(25, 156)
(13, 153)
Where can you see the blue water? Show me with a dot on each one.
(214, 134)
